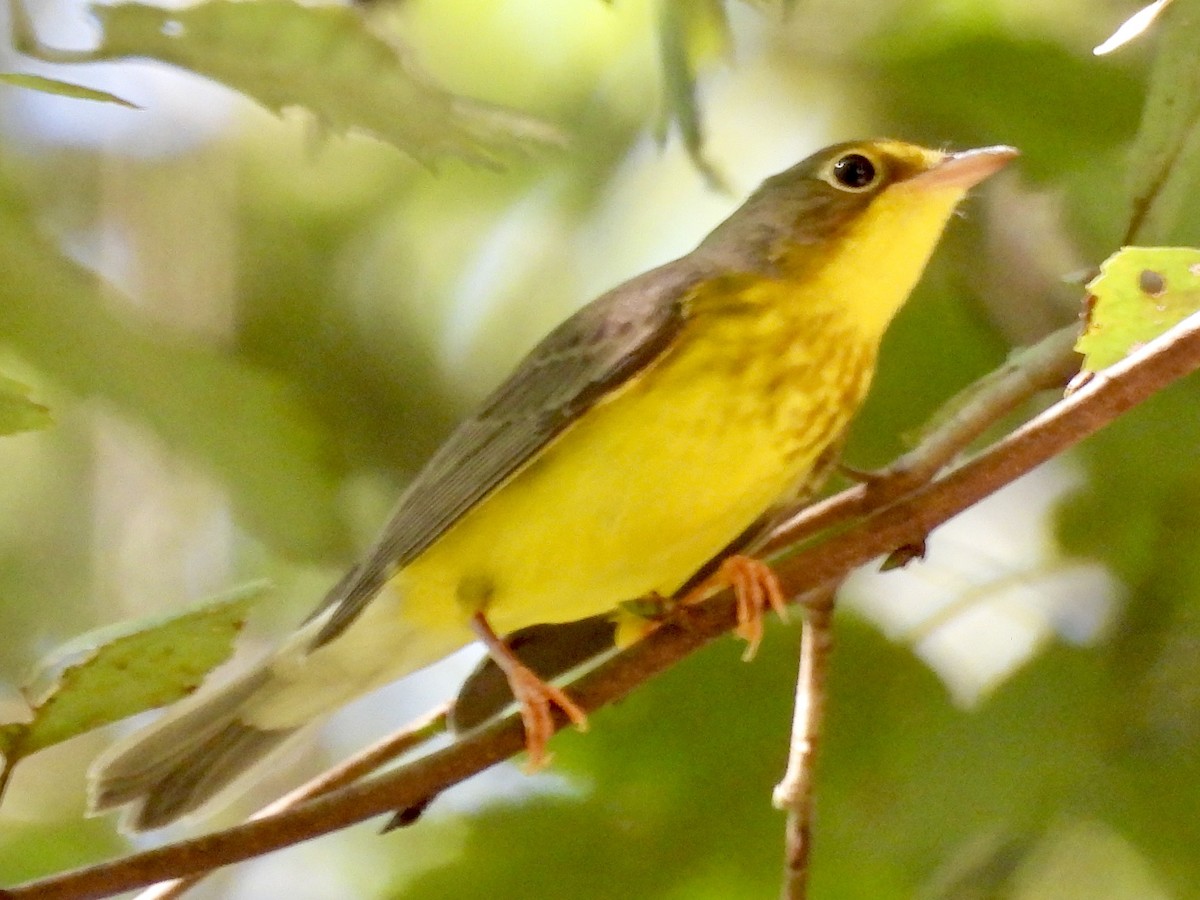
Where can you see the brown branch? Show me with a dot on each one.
(360, 765)
(410, 786)
(1106, 396)
(794, 793)
(1095, 404)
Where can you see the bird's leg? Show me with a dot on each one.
(755, 587)
(534, 695)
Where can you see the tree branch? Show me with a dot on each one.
(360, 765)
(1108, 395)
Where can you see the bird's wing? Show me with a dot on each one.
(592, 353)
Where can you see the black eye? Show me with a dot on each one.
(854, 171)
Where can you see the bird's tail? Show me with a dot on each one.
(192, 754)
(204, 744)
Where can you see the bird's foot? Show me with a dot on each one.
(755, 588)
(536, 697)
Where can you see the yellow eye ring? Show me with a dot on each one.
(855, 172)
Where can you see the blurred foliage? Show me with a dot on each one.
(324, 58)
(690, 32)
(61, 88)
(1165, 159)
(251, 335)
(17, 411)
(28, 850)
(243, 422)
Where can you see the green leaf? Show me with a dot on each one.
(1081, 106)
(688, 32)
(17, 411)
(1139, 293)
(112, 673)
(1165, 160)
(324, 58)
(62, 88)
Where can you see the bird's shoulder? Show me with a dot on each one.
(587, 356)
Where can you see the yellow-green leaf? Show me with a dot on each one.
(17, 411)
(61, 88)
(1139, 293)
(326, 59)
(115, 672)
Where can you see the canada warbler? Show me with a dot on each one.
(632, 445)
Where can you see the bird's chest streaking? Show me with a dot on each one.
(660, 476)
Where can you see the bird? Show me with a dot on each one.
(631, 446)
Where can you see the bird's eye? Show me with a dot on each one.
(854, 172)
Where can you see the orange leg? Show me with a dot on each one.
(755, 587)
(536, 697)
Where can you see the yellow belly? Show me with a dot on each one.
(648, 485)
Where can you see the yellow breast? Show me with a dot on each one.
(658, 478)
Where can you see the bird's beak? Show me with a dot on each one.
(966, 169)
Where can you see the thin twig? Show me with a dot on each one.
(794, 793)
(360, 765)
(1111, 393)
(402, 788)
(1106, 396)
(1047, 364)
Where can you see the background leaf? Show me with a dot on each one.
(1165, 156)
(691, 32)
(230, 416)
(61, 88)
(17, 411)
(326, 59)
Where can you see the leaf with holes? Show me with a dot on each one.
(1139, 293)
